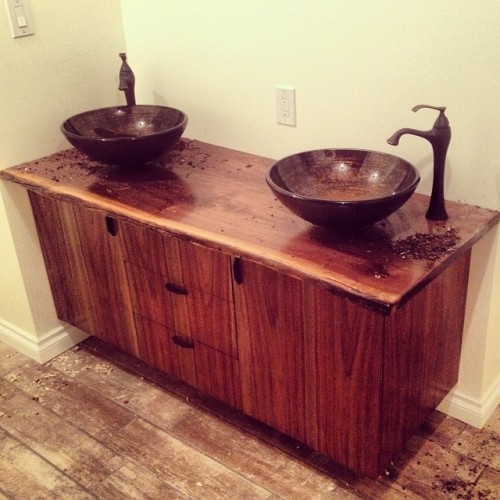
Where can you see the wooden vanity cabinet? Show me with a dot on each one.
(349, 381)
(192, 266)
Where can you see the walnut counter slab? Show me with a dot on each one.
(344, 341)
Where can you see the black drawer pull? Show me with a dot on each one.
(237, 271)
(111, 225)
(179, 290)
(184, 342)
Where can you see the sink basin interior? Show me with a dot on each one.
(125, 134)
(342, 186)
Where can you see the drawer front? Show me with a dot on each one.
(182, 262)
(209, 370)
(158, 348)
(187, 311)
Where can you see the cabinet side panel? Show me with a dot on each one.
(343, 343)
(422, 354)
(269, 322)
(63, 259)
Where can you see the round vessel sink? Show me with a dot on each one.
(125, 135)
(342, 187)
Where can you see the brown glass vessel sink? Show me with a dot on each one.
(125, 135)
(342, 187)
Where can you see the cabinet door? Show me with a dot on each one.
(84, 258)
(270, 322)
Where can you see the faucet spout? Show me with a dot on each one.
(394, 139)
(127, 80)
(439, 137)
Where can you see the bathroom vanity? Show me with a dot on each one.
(192, 265)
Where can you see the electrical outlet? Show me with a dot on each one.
(285, 106)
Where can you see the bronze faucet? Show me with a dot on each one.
(439, 137)
(127, 80)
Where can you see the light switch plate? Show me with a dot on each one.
(21, 22)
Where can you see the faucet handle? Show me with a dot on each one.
(420, 106)
(442, 121)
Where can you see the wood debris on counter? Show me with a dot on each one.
(218, 197)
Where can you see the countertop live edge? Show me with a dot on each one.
(218, 197)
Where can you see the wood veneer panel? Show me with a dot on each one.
(421, 355)
(158, 260)
(196, 315)
(86, 270)
(217, 375)
(343, 361)
(63, 260)
(271, 348)
(157, 349)
(105, 266)
(209, 370)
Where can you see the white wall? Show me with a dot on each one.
(69, 65)
(358, 69)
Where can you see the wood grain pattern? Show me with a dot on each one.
(344, 376)
(445, 459)
(421, 355)
(218, 197)
(271, 348)
(86, 270)
(157, 349)
(159, 261)
(217, 375)
(27, 472)
(211, 371)
(168, 457)
(64, 262)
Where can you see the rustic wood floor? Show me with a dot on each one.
(81, 426)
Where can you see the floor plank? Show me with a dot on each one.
(57, 441)
(93, 423)
(285, 476)
(111, 382)
(132, 481)
(24, 474)
(71, 400)
(190, 472)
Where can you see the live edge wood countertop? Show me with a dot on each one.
(219, 198)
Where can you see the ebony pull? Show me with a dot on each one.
(237, 270)
(111, 225)
(184, 342)
(177, 289)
